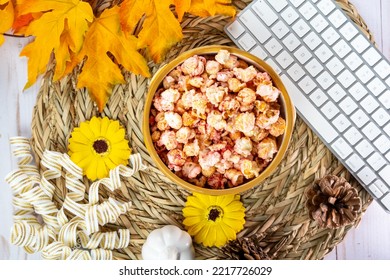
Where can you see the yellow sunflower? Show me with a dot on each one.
(98, 146)
(213, 220)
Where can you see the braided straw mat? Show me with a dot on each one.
(275, 210)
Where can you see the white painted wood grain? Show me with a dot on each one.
(369, 241)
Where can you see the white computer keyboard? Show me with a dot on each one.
(339, 82)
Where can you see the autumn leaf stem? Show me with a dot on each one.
(13, 35)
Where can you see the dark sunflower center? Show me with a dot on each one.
(100, 146)
(214, 214)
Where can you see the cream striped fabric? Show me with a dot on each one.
(60, 235)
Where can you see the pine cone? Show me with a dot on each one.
(246, 248)
(333, 202)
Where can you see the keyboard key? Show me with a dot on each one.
(259, 52)
(265, 12)
(387, 130)
(330, 36)
(385, 99)
(383, 69)
(388, 156)
(346, 78)
(307, 10)
(358, 91)
(342, 148)
(376, 86)
(323, 53)
(301, 28)
(312, 40)
(382, 144)
(342, 48)
(380, 185)
(355, 162)
(314, 67)
(336, 92)
(372, 56)
(364, 148)
(290, 15)
(303, 54)
(353, 61)
(353, 135)
(319, 23)
(259, 30)
(369, 104)
(330, 110)
(326, 6)
(273, 46)
(360, 43)
(381, 117)
(247, 42)
(386, 201)
(376, 161)
(307, 84)
(296, 72)
(341, 123)
(371, 131)
(280, 29)
(366, 175)
(236, 29)
(305, 108)
(385, 173)
(375, 191)
(284, 59)
(318, 97)
(359, 118)
(291, 42)
(335, 65)
(365, 74)
(296, 3)
(348, 31)
(278, 5)
(348, 105)
(325, 80)
(274, 65)
(337, 18)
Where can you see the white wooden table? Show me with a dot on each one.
(369, 241)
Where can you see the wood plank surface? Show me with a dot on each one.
(369, 241)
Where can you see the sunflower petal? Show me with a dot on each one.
(193, 211)
(112, 128)
(79, 147)
(118, 136)
(94, 124)
(91, 170)
(104, 126)
(102, 170)
(79, 137)
(191, 221)
(86, 130)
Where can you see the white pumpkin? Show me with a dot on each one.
(168, 243)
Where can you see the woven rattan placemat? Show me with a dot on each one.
(275, 208)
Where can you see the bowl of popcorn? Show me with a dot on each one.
(217, 120)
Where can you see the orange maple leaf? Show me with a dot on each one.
(205, 8)
(70, 15)
(161, 29)
(6, 16)
(100, 73)
(22, 21)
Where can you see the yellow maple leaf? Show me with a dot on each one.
(205, 8)
(6, 16)
(100, 73)
(161, 29)
(72, 15)
(21, 22)
(181, 7)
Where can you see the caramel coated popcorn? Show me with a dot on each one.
(215, 120)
